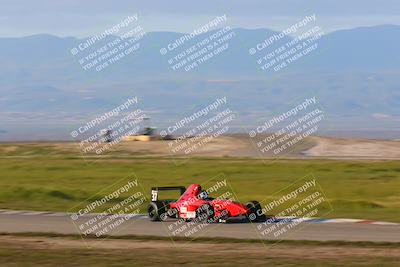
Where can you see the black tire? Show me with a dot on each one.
(255, 214)
(156, 211)
(205, 213)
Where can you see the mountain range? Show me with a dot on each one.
(353, 73)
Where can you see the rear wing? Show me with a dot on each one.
(155, 190)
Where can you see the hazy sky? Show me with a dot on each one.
(83, 18)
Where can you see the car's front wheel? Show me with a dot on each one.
(255, 211)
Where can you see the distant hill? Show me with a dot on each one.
(354, 73)
(47, 57)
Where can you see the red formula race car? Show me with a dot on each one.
(195, 204)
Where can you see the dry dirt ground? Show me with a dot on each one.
(354, 148)
(204, 254)
(240, 145)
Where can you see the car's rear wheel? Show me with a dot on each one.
(255, 214)
(156, 211)
(205, 213)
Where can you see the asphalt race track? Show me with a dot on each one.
(47, 222)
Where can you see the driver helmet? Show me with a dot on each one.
(203, 195)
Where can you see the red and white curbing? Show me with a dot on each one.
(361, 221)
(342, 220)
(288, 219)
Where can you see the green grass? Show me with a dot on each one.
(355, 189)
